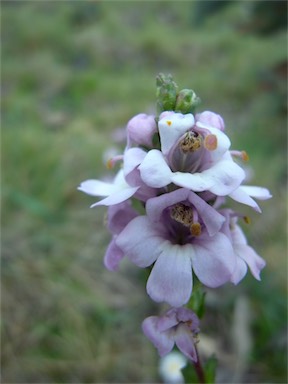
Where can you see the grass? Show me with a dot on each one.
(72, 72)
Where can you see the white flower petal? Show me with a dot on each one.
(97, 188)
(242, 197)
(117, 197)
(226, 176)
(154, 170)
(197, 182)
(223, 141)
(259, 193)
(171, 127)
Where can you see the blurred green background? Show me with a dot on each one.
(72, 73)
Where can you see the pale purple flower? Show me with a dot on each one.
(116, 192)
(245, 255)
(178, 326)
(192, 156)
(118, 217)
(179, 233)
(140, 129)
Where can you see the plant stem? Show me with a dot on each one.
(199, 369)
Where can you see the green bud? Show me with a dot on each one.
(166, 92)
(187, 101)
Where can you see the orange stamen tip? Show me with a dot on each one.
(245, 156)
(195, 229)
(169, 122)
(110, 164)
(247, 219)
(210, 142)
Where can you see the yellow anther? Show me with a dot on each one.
(247, 219)
(110, 164)
(195, 229)
(245, 156)
(191, 142)
(182, 213)
(210, 142)
(169, 122)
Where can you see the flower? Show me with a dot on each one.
(177, 326)
(170, 368)
(179, 232)
(193, 156)
(140, 129)
(245, 255)
(116, 192)
(118, 217)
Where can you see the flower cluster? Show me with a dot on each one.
(180, 167)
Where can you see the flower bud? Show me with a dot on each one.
(186, 101)
(141, 128)
(166, 93)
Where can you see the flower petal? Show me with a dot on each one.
(213, 260)
(171, 277)
(196, 182)
(185, 342)
(156, 205)
(154, 170)
(226, 176)
(171, 127)
(97, 188)
(113, 256)
(161, 340)
(254, 261)
(119, 216)
(117, 197)
(242, 197)
(211, 218)
(239, 271)
(223, 141)
(140, 241)
(257, 192)
(132, 158)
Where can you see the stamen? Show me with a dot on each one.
(242, 154)
(245, 156)
(195, 229)
(191, 142)
(169, 122)
(210, 142)
(111, 162)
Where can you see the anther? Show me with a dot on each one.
(169, 122)
(191, 142)
(182, 213)
(195, 229)
(247, 219)
(210, 142)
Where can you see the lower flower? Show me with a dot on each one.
(178, 326)
(179, 233)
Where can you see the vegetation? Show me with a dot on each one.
(72, 73)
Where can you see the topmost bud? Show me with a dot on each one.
(166, 93)
(169, 99)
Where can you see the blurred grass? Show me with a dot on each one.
(72, 72)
